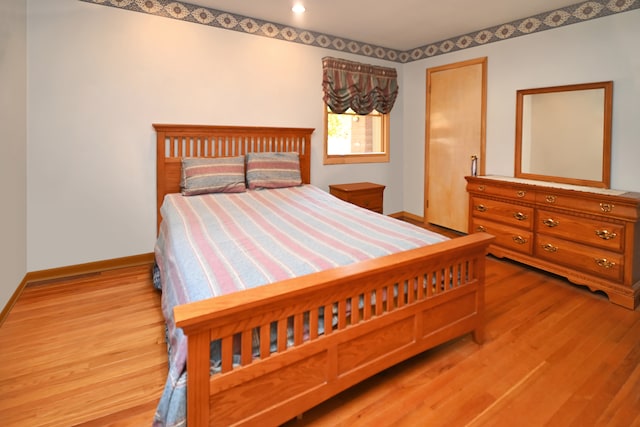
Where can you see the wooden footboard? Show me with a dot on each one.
(386, 310)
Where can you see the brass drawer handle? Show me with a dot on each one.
(606, 234)
(480, 187)
(606, 207)
(481, 228)
(549, 248)
(605, 263)
(550, 222)
(550, 199)
(519, 240)
(520, 216)
(481, 208)
(521, 193)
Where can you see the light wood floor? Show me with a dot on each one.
(90, 351)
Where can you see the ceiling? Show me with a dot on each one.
(397, 24)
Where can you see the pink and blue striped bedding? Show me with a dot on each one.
(216, 244)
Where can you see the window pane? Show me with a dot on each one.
(350, 133)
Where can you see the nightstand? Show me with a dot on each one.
(364, 194)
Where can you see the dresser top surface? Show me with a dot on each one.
(558, 186)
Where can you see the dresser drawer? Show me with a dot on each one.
(584, 258)
(593, 204)
(494, 210)
(506, 236)
(501, 191)
(602, 234)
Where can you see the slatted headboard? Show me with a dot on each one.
(177, 141)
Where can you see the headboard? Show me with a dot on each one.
(177, 141)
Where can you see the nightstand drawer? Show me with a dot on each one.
(364, 194)
(371, 201)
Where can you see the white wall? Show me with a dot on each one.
(597, 50)
(13, 154)
(99, 77)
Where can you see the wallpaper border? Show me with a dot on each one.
(579, 12)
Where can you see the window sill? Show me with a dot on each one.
(355, 158)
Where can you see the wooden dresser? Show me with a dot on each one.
(364, 194)
(590, 236)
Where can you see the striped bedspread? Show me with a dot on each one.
(215, 244)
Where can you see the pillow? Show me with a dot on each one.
(212, 175)
(273, 170)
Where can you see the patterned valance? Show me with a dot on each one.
(361, 87)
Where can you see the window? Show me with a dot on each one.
(358, 99)
(355, 138)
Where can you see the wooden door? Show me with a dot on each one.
(455, 131)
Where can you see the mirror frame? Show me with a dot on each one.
(606, 137)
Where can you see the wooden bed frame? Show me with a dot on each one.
(426, 296)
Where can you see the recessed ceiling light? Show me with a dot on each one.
(298, 8)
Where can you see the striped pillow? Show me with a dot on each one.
(212, 175)
(273, 170)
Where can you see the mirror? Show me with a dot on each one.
(563, 134)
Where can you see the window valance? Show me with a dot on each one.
(361, 87)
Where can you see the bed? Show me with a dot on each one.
(319, 313)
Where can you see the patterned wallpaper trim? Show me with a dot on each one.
(578, 12)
